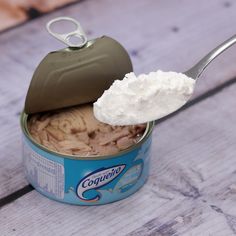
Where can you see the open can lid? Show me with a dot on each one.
(76, 75)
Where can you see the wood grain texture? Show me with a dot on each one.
(191, 189)
(15, 12)
(151, 46)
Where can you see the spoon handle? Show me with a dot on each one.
(197, 70)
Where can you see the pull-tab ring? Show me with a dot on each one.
(65, 38)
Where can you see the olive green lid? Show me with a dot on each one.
(76, 75)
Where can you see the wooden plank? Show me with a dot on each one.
(15, 12)
(191, 189)
(173, 43)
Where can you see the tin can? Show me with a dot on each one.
(86, 180)
(77, 75)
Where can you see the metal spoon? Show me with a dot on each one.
(155, 108)
(197, 70)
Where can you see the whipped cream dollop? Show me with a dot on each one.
(143, 98)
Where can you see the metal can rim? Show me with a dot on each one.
(24, 128)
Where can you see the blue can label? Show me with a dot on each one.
(44, 174)
(86, 182)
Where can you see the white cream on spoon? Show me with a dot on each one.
(147, 97)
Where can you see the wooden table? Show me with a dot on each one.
(192, 184)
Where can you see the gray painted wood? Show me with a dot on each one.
(158, 35)
(192, 186)
(191, 189)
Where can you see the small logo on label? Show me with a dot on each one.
(97, 179)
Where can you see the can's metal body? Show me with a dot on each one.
(86, 180)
